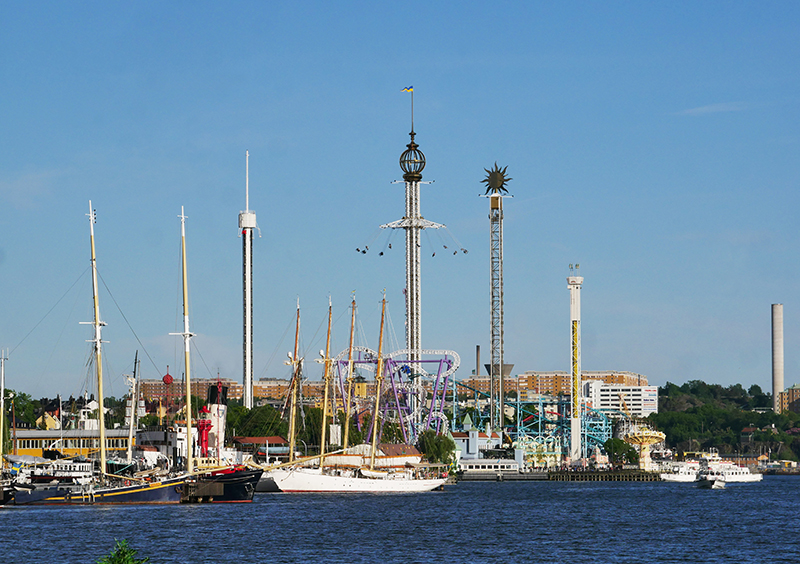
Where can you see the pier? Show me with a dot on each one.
(610, 476)
(562, 476)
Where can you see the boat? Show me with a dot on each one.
(295, 477)
(711, 484)
(67, 482)
(728, 473)
(681, 472)
(299, 479)
(212, 479)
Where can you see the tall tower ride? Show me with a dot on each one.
(495, 191)
(412, 161)
(574, 282)
(247, 223)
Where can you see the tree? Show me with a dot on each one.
(620, 452)
(436, 448)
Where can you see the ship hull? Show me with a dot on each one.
(226, 486)
(162, 492)
(310, 480)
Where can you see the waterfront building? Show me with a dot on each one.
(473, 442)
(70, 442)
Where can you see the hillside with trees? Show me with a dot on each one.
(700, 416)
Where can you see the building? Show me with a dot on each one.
(560, 382)
(70, 442)
(483, 384)
(789, 399)
(615, 399)
(154, 390)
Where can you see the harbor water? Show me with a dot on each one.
(471, 522)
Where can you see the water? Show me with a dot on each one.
(483, 522)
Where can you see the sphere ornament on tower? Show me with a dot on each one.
(412, 161)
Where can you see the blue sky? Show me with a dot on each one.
(656, 144)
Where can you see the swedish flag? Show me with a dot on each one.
(408, 89)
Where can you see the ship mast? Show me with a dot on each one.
(327, 377)
(3, 359)
(187, 338)
(296, 362)
(134, 399)
(349, 397)
(378, 381)
(97, 346)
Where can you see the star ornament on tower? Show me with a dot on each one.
(496, 180)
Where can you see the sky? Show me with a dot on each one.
(656, 144)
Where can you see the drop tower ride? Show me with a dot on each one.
(574, 283)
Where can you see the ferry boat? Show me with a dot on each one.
(727, 473)
(681, 472)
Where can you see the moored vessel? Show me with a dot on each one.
(69, 482)
(367, 475)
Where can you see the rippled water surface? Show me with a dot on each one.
(508, 522)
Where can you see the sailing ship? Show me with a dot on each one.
(71, 483)
(297, 478)
(211, 480)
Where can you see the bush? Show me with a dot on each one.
(122, 554)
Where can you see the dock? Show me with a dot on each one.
(604, 476)
(562, 476)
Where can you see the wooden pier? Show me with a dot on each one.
(604, 476)
(562, 476)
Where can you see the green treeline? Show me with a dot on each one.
(699, 416)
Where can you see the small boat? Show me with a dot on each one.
(712, 483)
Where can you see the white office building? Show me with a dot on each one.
(640, 401)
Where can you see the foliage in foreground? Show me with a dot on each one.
(122, 554)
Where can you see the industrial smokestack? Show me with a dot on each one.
(777, 356)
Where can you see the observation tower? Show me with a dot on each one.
(412, 162)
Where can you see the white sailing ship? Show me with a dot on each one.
(362, 468)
